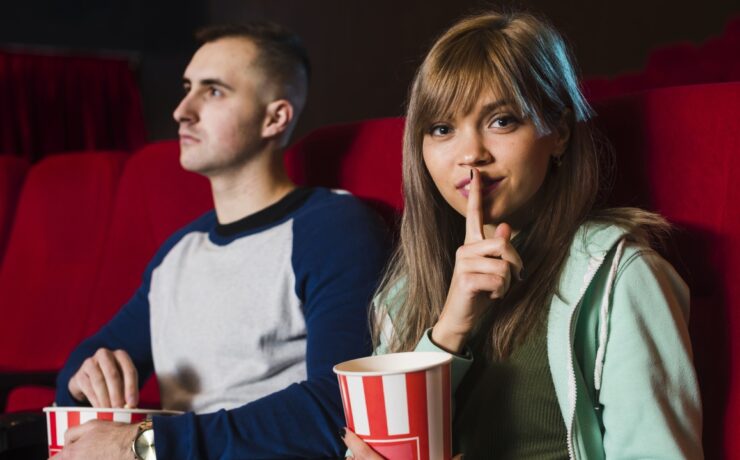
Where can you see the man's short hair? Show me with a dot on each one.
(281, 54)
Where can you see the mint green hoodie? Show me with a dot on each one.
(619, 352)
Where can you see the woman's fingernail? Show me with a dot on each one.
(342, 433)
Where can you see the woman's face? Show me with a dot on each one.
(512, 157)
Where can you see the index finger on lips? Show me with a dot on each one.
(130, 378)
(474, 211)
(499, 248)
(360, 450)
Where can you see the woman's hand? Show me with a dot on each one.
(362, 451)
(483, 271)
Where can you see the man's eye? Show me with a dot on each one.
(186, 89)
(440, 130)
(216, 92)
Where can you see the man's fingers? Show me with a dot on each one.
(88, 393)
(76, 432)
(97, 382)
(474, 212)
(130, 378)
(360, 450)
(113, 378)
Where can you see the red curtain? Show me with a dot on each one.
(52, 103)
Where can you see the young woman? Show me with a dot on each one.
(569, 333)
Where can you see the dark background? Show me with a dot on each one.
(364, 52)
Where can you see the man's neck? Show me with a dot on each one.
(257, 184)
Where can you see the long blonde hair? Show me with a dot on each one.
(523, 60)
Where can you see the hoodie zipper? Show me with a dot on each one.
(593, 266)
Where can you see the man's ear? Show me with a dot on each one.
(278, 116)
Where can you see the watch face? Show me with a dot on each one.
(144, 445)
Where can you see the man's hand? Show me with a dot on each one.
(106, 379)
(98, 440)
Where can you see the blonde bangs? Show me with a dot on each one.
(460, 69)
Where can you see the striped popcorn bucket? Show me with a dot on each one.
(399, 403)
(59, 419)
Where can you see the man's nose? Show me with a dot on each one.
(185, 110)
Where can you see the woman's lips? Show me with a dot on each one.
(487, 186)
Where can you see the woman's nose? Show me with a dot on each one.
(473, 151)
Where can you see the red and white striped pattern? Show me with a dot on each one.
(59, 421)
(401, 416)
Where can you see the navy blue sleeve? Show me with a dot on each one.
(339, 253)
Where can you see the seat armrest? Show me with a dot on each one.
(23, 435)
(11, 379)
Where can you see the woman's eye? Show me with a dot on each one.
(440, 130)
(504, 121)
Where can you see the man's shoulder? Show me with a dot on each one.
(333, 202)
(203, 224)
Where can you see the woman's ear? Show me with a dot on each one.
(563, 131)
(278, 116)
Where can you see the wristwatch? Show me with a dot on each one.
(143, 445)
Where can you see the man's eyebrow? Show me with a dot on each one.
(215, 82)
(209, 82)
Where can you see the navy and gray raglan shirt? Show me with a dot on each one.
(243, 323)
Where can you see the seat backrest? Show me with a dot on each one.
(53, 255)
(155, 197)
(677, 152)
(12, 172)
(363, 157)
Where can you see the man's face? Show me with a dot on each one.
(222, 112)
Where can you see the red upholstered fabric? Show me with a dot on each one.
(98, 97)
(362, 157)
(677, 151)
(29, 398)
(714, 61)
(53, 256)
(155, 197)
(12, 172)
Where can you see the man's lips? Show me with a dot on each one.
(186, 138)
(488, 185)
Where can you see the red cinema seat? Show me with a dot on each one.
(675, 65)
(12, 172)
(155, 198)
(362, 157)
(53, 256)
(677, 153)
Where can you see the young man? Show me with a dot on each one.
(242, 313)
